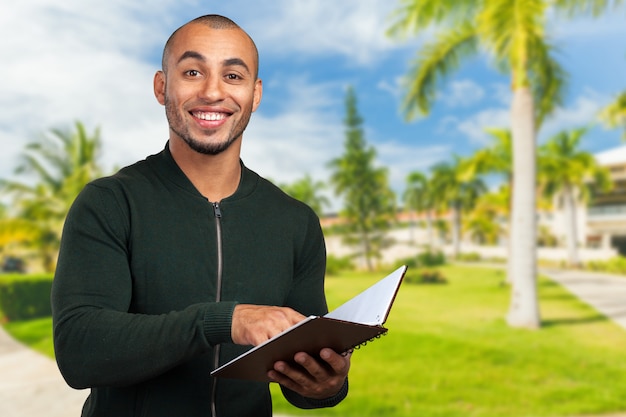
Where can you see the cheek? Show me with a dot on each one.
(176, 94)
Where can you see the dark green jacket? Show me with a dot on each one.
(148, 276)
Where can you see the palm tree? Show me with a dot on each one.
(484, 221)
(498, 159)
(614, 115)
(513, 34)
(457, 193)
(56, 166)
(418, 197)
(570, 172)
(309, 192)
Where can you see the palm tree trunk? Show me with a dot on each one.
(509, 240)
(429, 228)
(524, 308)
(456, 230)
(571, 229)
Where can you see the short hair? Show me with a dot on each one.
(214, 21)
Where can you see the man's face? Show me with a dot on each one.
(210, 88)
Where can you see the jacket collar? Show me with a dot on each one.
(167, 167)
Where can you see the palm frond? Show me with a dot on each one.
(414, 16)
(573, 8)
(436, 60)
(548, 80)
(509, 28)
(614, 115)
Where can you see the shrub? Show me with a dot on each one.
(24, 297)
(615, 265)
(425, 277)
(431, 258)
(335, 264)
(469, 257)
(428, 258)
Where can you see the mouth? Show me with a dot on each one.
(209, 116)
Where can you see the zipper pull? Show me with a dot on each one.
(217, 210)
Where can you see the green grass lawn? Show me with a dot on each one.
(35, 333)
(449, 352)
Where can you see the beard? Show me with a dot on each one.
(179, 127)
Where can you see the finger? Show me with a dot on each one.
(317, 369)
(340, 364)
(289, 376)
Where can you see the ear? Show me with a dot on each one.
(258, 93)
(159, 87)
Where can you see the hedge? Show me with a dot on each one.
(24, 297)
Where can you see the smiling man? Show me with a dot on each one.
(182, 261)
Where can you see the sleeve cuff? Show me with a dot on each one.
(310, 403)
(217, 323)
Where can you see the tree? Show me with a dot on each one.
(309, 192)
(498, 159)
(369, 203)
(418, 197)
(456, 192)
(614, 115)
(483, 223)
(570, 173)
(55, 168)
(513, 33)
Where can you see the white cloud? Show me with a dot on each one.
(587, 27)
(501, 93)
(92, 63)
(67, 61)
(300, 139)
(474, 126)
(582, 111)
(355, 29)
(447, 124)
(78, 62)
(462, 93)
(402, 159)
(394, 87)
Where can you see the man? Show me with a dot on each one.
(180, 262)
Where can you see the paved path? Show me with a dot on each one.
(31, 385)
(606, 293)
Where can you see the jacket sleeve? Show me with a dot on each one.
(97, 341)
(310, 403)
(307, 295)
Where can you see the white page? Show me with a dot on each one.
(372, 305)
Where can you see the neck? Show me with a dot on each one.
(214, 176)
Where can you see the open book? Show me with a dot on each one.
(350, 325)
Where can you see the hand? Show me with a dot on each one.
(253, 324)
(316, 378)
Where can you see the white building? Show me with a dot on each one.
(601, 222)
(606, 215)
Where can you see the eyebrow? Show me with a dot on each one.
(191, 55)
(230, 62)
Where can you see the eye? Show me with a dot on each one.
(192, 73)
(233, 77)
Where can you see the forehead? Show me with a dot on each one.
(213, 44)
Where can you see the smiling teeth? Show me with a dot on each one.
(210, 116)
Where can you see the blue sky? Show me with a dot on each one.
(94, 62)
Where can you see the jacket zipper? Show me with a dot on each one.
(218, 293)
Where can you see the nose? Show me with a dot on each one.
(212, 89)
